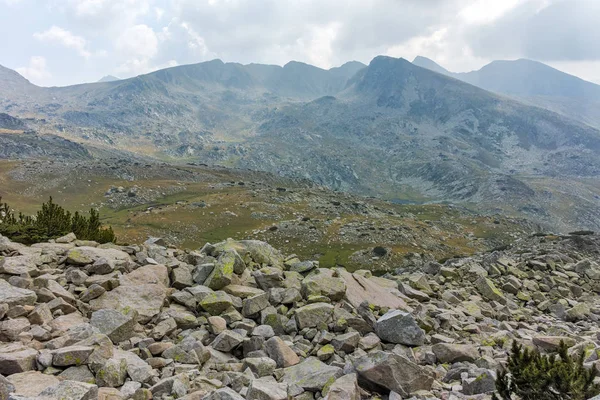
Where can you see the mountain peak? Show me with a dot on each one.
(109, 78)
(431, 65)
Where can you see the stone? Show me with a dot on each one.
(181, 278)
(344, 388)
(552, 343)
(313, 315)
(488, 290)
(217, 324)
(19, 265)
(146, 299)
(260, 366)
(87, 255)
(325, 352)
(157, 274)
(101, 266)
(16, 358)
(346, 342)
(484, 383)
(451, 353)
(224, 394)
(279, 351)
(71, 355)
(215, 303)
(383, 372)
(113, 373)
(137, 369)
(79, 373)
(324, 284)
(6, 388)
(266, 390)
(227, 341)
(163, 328)
(202, 272)
(311, 374)
(360, 289)
(399, 327)
(255, 304)
(14, 296)
(70, 390)
(117, 325)
(222, 273)
(40, 315)
(92, 292)
(68, 238)
(31, 383)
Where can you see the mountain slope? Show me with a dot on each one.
(534, 83)
(109, 78)
(391, 129)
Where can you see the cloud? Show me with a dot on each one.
(139, 44)
(65, 38)
(36, 71)
(558, 30)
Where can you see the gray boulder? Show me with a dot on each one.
(399, 327)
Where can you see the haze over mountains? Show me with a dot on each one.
(535, 83)
(390, 129)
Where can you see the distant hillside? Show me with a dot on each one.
(391, 129)
(109, 78)
(535, 83)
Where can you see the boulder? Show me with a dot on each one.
(14, 296)
(313, 315)
(399, 327)
(384, 372)
(16, 358)
(488, 290)
(311, 374)
(451, 353)
(146, 299)
(266, 390)
(31, 383)
(117, 325)
(222, 272)
(70, 390)
(344, 388)
(279, 351)
(360, 289)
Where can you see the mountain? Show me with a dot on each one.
(109, 78)
(535, 83)
(390, 129)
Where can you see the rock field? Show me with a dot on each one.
(240, 320)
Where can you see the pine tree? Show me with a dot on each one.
(530, 375)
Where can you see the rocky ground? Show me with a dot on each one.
(240, 320)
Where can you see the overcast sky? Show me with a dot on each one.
(61, 42)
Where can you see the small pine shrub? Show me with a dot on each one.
(51, 222)
(530, 375)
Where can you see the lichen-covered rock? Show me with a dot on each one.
(488, 290)
(117, 325)
(399, 327)
(313, 315)
(451, 353)
(311, 374)
(222, 272)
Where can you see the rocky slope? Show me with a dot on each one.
(390, 129)
(239, 319)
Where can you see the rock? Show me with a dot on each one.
(311, 374)
(260, 366)
(346, 342)
(279, 351)
(113, 373)
(117, 325)
(360, 289)
(71, 355)
(399, 327)
(70, 390)
(227, 341)
(146, 299)
(266, 390)
(451, 353)
(80, 374)
(488, 290)
(19, 265)
(324, 284)
(14, 296)
(92, 292)
(163, 328)
(40, 315)
(313, 315)
(216, 303)
(31, 383)
(87, 255)
(68, 238)
(255, 304)
(6, 388)
(384, 372)
(224, 394)
(552, 343)
(16, 358)
(137, 369)
(156, 274)
(484, 383)
(344, 388)
(222, 273)
(181, 278)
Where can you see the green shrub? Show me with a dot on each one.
(530, 375)
(51, 222)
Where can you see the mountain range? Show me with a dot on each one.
(392, 129)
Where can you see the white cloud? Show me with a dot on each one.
(139, 44)
(12, 2)
(36, 70)
(65, 38)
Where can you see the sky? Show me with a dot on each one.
(63, 42)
